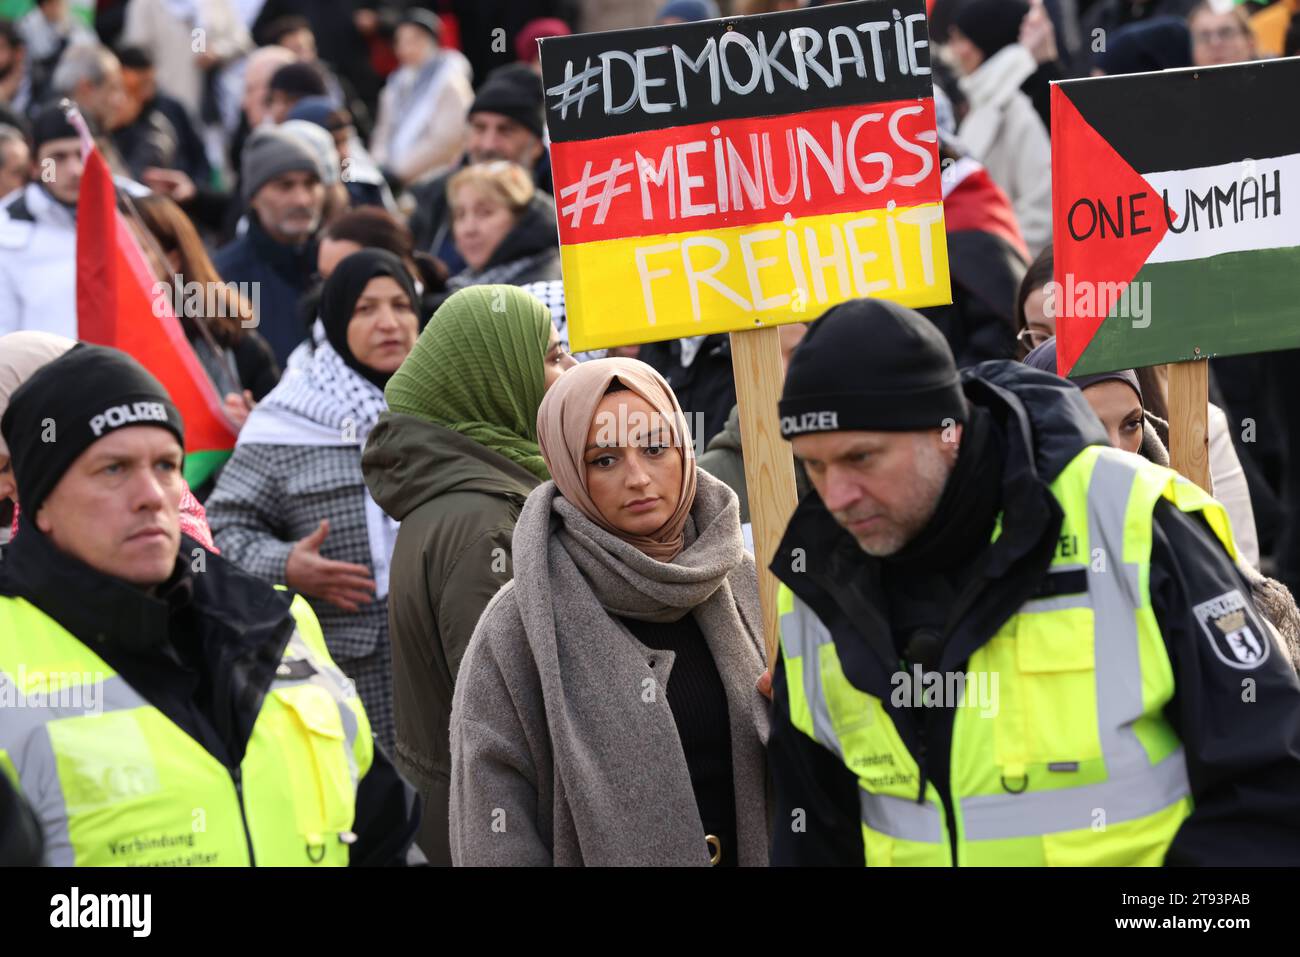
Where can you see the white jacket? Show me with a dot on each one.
(38, 264)
(172, 33)
(1003, 131)
(430, 138)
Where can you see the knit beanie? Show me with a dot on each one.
(51, 124)
(991, 24)
(426, 20)
(516, 93)
(322, 111)
(534, 30)
(689, 11)
(270, 152)
(320, 143)
(1161, 43)
(871, 365)
(69, 404)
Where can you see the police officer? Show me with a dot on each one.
(157, 705)
(1002, 641)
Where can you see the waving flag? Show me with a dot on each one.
(115, 307)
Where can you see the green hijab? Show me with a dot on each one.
(477, 369)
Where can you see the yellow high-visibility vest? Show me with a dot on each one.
(115, 782)
(1074, 763)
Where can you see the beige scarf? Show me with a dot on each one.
(628, 787)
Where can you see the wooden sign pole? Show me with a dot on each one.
(1189, 403)
(769, 463)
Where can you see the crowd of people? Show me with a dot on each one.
(430, 610)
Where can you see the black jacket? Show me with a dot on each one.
(1243, 758)
(20, 833)
(282, 274)
(985, 271)
(203, 650)
(706, 388)
(162, 135)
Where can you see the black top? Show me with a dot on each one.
(699, 705)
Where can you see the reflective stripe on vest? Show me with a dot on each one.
(803, 637)
(90, 750)
(1121, 490)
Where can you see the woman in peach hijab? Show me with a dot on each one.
(606, 710)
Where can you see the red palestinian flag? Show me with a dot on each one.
(1174, 234)
(115, 308)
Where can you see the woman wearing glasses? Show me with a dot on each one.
(1036, 309)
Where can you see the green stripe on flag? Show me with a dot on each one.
(200, 466)
(1243, 302)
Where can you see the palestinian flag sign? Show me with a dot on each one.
(1175, 225)
(744, 172)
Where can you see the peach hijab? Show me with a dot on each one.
(565, 417)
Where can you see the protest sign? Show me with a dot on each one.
(1172, 234)
(732, 174)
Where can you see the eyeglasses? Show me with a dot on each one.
(1031, 338)
(1207, 38)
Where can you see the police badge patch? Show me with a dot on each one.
(1235, 635)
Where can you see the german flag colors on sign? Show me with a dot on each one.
(1173, 229)
(731, 174)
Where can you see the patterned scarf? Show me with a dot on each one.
(320, 401)
(504, 274)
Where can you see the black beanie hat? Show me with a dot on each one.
(991, 24)
(875, 366)
(1160, 43)
(512, 93)
(339, 297)
(51, 124)
(71, 403)
(299, 79)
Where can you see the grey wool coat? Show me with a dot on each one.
(564, 748)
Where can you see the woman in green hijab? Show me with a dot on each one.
(453, 460)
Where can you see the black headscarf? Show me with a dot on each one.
(991, 24)
(1160, 43)
(339, 298)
